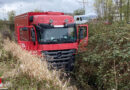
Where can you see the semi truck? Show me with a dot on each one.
(52, 35)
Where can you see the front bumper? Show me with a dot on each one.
(60, 58)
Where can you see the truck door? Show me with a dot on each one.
(27, 37)
(83, 37)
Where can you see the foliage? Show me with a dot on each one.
(37, 10)
(79, 12)
(18, 80)
(106, 63)
(22, 71)
(105, 9)
(11, 16)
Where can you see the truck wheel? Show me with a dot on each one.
(70, 65)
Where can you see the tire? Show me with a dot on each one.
(70, 65)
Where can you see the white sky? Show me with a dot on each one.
(22, 6)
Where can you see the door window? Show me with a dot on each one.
(24, 34)
(82, 32)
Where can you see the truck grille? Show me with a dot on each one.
(59, 58)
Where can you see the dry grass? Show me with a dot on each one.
(34, 67)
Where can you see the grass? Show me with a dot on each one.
(105, 65)
(24, 71)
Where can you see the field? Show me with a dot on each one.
(104, 66)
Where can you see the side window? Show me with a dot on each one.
(24, 34)
(80, 18)
(84, 18)
(32, 35)
(82, 32)
(77, 19)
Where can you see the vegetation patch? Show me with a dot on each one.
(22, 71)
(106, 63)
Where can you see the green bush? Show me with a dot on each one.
(106, 63)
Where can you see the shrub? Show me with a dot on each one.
(106, 63)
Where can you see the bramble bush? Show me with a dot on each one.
(106, 63)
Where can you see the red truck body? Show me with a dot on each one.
(51, 33)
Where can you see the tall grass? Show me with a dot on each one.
(35, 68)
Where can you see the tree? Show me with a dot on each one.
(108, 9)
(98, 7)
(79, 12)
(128, 10)
(104, 8)
(11, 15)
(37, 10)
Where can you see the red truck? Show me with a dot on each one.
(51, 34)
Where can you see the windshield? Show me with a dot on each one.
(57, 35)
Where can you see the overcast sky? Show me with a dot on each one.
(22, 6)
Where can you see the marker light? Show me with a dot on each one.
(66, 21)
(51, 21)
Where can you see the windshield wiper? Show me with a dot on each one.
(67, 41)
(58, 41)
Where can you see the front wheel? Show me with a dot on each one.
(70, 65)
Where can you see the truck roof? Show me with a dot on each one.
(40, 13)
(42, 17)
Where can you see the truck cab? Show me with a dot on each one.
(52, 35)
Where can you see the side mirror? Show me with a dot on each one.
(24, 29)
(33, 35)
